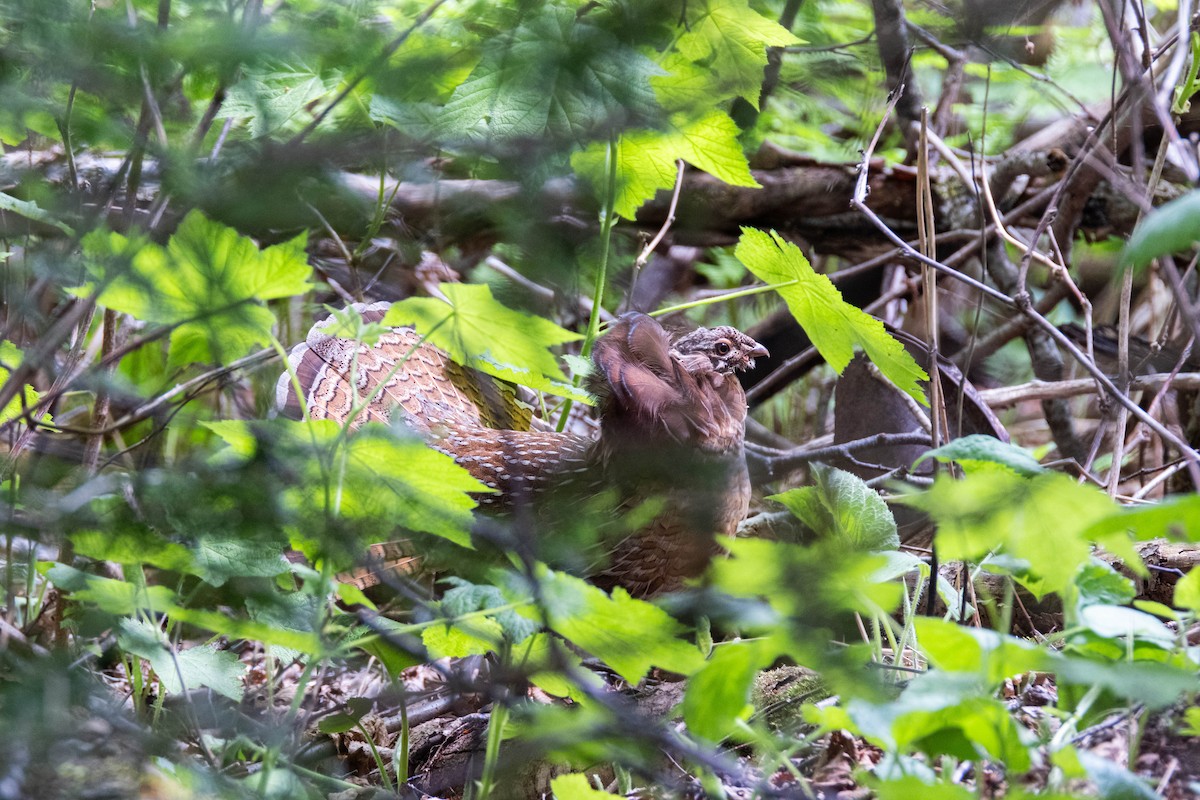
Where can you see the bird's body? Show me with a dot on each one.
(672, 419)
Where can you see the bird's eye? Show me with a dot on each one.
(722, 348)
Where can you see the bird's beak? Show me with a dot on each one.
(758, 351)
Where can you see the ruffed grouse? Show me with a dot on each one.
(672, 421)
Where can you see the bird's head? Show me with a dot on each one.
(727, 349)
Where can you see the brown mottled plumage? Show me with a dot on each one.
(672, 418)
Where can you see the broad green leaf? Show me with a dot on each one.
(719, 694)
(31, 210)
(629, 635)
(1170, 228)
(1111, 622)
(542, 657)
(466, 598)
(841, 506)
(646, 159)
(990, 655)
(731, 39)
(1174, 518)
(1155, 685)
(1114, 781)
(912, 786)
(1187, 591)
(1041, 522)
(481, 333)
(575, 786)
(478, 636)
(112, 596)
(1097, 583)
(835, 327)
(193, 668)
(272, 98)
(977, 448)
(128, 546)
(221, 556)
(208, 283)
(124, 599)
(11, 358)
(836, 579)
(943, 713)
(384, 481)
(555, 76)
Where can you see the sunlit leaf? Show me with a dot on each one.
(719, 694)
(555, 76)
(575, 786)
(730, 38)
(208, 283)
(835, 327)
(1041, 522)
(978, 448)
(646, 636)
(840, 505)
(645, 159)
(479, 332)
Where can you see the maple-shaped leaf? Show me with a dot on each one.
(731, 40)
(834, 326)
(380, 481)
(480, 333)
(276, 98)
(209, 283)
(585, 615)
(556, 75)
(646, 158)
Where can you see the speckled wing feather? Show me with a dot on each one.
(399, 371)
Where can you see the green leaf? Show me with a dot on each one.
(719, 694)
(834, 326)
(1041, 522)
(1170, 228)
(1114, 781)
(221, 556)
(31, 210)
(977, 448)
(731, 40)
(575, 786)
(385, 481)
(1111, 622)
(196, 667)
(841, 506)
(1174, 518)
(11, 358)
(1155, 685)
(481, 333)
(132, 546)
(554, 76)
(273, 98)
(476, 637)
(912, 786)
(1187, 591)
(209, 283)
(942, 713)
(646, 159)
(990, 655)
(646, 637)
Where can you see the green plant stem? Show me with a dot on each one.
(491, 755)
(607, 222)
(708, 301)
